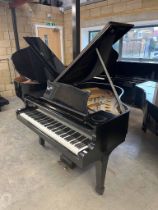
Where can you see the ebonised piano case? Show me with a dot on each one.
(62, 118)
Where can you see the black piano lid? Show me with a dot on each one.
(87, 64)
(27, 63)
(52, 65)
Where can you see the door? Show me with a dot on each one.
(52, 38)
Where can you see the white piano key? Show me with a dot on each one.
(53, 135)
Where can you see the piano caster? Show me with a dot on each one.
(41, 142)
(101, 166)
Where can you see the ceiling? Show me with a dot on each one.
(4, 1)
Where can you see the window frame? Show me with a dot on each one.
(139, 60)
(89, 34)
(138, 25)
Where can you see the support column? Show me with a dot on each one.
(76, 27)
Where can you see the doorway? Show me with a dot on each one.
(53, 38)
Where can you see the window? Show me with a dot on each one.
(116, 46)
(140, 44)
(46, 39)
(92, 34)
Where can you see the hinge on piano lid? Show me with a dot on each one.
(121, 107)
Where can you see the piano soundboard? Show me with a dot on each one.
(100, 99)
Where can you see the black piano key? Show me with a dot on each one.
(81, 138)
(70, 133)
(63, 128)
(42, 119)
(50, 125)
(60, 130)
(66, 129)
(41, 115)
(48, 122)
(53, 123)
(45, 122)
(75, 141)
(69, 138)
(66, 132)
(76, 135)
(60, 126)
(63, 135)
(86, 141)
(31, 113)
(55, 126)
(36, 117)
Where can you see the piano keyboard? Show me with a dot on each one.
(66, 136)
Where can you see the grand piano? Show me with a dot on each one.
(81, 115)
(36, 65)
(146, 98)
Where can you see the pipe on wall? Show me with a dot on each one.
(14, 22)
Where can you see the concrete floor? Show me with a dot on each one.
(32, 179)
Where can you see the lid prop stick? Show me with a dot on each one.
(121, 107)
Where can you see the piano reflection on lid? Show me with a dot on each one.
(64, 117)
